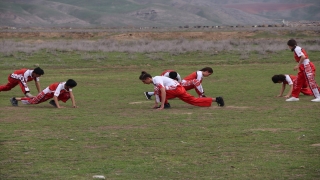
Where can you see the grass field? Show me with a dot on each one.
(115, 133)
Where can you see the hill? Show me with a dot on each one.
(83, 13)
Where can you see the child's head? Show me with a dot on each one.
(71, 83)
(207, 71)
(145, 77)
(292, 44)
(37, 72)
(278, 78)
(173, 75)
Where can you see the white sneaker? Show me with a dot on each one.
(292, 99)
(316, 99)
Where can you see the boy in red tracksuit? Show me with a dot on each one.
(167, 73)
(305, 72)
(58, 91)
(194, 80)
(166, 88)
(21, 77)
(290, 80)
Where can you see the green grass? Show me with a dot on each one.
(115, 133)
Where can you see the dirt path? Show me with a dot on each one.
(156, 35)
(127, 35)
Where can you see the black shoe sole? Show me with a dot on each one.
(14, 102)
(220, 101)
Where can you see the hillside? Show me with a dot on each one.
(83, 13)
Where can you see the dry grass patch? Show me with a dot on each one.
(316, 145)
(274, 130)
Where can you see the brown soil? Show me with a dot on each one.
(128, 35)
(186, 35)
(134, 35)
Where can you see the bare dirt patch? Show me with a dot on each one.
(230, 107)
(121, 127)
(72, 35)
(186, 35)
(139, 102)
(316, 145)
(129, 35)
(276, 129)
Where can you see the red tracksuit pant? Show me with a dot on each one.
(42, 97)
(12, 82)
(306, 75)
(182, 94)
(306, 91)
(193, 84)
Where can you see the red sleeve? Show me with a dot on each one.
(53, 86)
(191, 76)
(20, 71)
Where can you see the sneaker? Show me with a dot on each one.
(316, 99)
(13, 101)
(53, 103)
(220, 101)
(292, 99)
(166, 106)
(147, 95)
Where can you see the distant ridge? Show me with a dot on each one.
(158, 13)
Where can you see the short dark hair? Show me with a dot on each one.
(71, 83)
(279, 77)
(144, 75)
(209, 69)
(173, 75)
(292, 43)
(38, 71)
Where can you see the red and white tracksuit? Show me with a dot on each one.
(20, 77)
(193, 81)
(306, 74)
(175, 90)
(167, 72)
(292, 80)
(55, 89)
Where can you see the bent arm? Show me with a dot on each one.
(55, 98)
(290, 91)
(163, 97)
(73, 100)
(37, 83)
(283, 87)
(302, 58)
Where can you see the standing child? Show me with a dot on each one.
(290, 80)
(194, 80)
(168, 73)
(58, 91)
(21, 77)
(166, 88)
(305, 72)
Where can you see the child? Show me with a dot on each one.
(305, 73)
(168, 73)
(166, 88)
(194, 80)
(291, 81)
(58, 91)
(21, 77)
